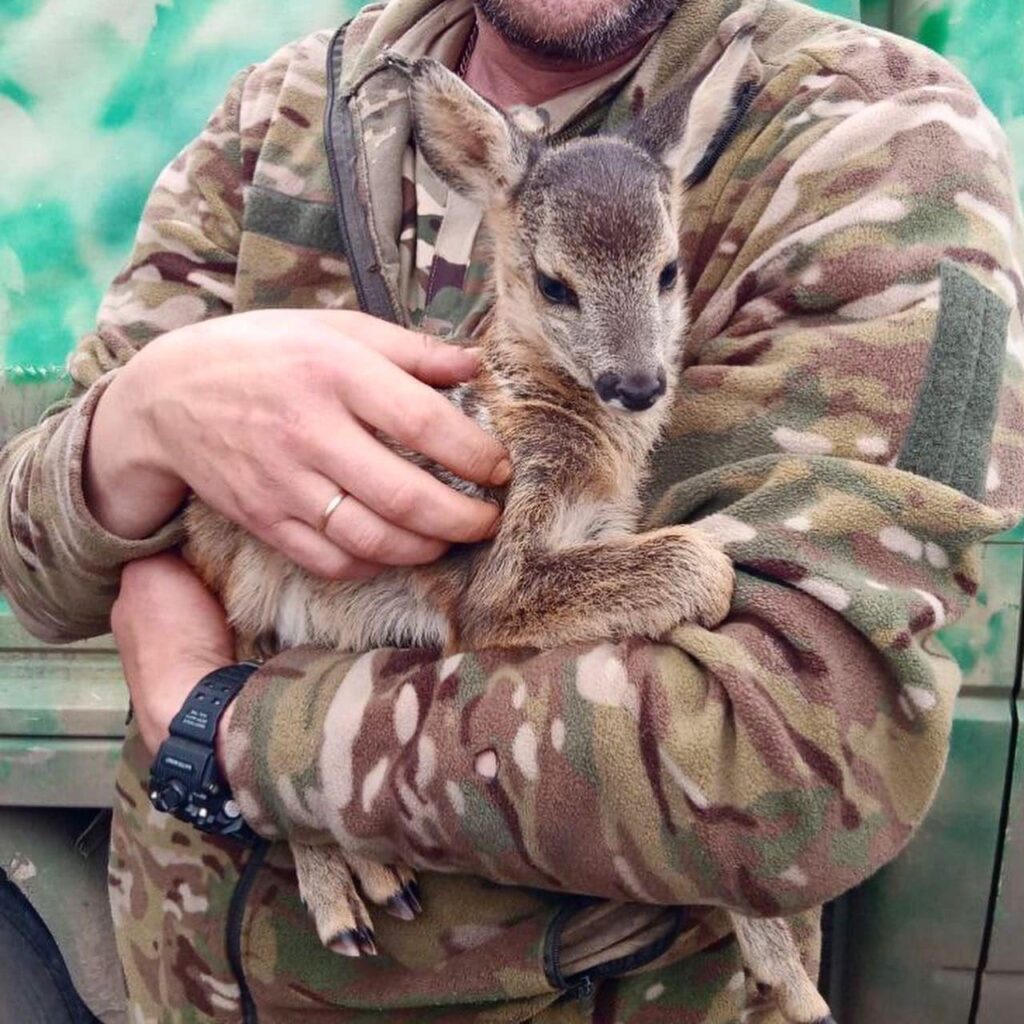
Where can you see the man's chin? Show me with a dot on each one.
(601, 30)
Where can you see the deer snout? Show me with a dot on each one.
(635, 392)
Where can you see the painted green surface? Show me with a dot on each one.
(845, 8)
(1002, 990)
(877, 12)
(94, 99)
(984, 642)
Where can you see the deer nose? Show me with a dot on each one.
(636, 392)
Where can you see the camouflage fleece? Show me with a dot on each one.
(849, 423)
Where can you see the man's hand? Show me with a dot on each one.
(265, 415)
(170, 632)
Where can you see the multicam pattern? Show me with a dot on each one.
(477, 957)
(766, 765)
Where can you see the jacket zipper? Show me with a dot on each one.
(337, 44)
(582, 986)
(236, 918)
(378, 304)
(722, 141)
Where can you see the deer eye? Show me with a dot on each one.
(555, 291)
(668, 277)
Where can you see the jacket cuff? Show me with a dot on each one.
(279, 713)
(68, 564)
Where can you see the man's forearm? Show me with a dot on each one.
(669, 774)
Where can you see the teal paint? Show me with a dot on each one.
(96, 98)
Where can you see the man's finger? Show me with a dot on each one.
(363, 533)
(404, 494)
(315, 553)
(435, 362)
(415, 415)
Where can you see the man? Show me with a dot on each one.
(849, 424)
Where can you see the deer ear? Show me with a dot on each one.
(473, 147)
(685, 125)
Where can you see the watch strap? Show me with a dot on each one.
(199, 715)
(184, 779)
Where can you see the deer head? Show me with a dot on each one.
(585, 234)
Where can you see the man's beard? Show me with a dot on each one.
(591, 42)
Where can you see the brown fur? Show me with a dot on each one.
(603, 216)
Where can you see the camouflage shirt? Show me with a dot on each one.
(849, 423)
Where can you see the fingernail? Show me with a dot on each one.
(495, 527)
(473, 356)
(502, 473)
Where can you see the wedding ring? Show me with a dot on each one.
(329, 510)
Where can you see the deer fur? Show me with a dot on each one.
(600, 217)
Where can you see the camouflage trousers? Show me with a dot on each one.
(190, 920)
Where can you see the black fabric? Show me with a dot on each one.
(34, 982)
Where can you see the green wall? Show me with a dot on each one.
(96, 96)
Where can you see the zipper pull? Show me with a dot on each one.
(584, 988)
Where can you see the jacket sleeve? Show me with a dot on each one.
(850, 426)
(59, 568)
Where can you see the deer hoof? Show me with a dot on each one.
(405, 905)
(353, 942)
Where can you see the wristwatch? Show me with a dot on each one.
(185, 780)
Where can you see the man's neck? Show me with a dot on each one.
(507, 75)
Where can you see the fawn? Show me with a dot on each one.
(579, 363)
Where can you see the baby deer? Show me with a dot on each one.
(579, 363)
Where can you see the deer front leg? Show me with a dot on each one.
(771, 955)
(633, 585)
(327, 884)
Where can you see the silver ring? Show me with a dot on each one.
(329, 509)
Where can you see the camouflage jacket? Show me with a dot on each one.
(849, 423)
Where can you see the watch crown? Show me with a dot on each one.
(231, 809)
(170, 796)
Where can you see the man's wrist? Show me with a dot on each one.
(128, 489)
